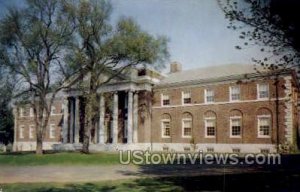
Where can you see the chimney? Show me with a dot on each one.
(175, 67)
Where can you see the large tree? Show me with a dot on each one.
(100, 47)
(32, 42)
(6, 115)
(272, 24)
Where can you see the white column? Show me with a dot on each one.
(72, 124)
(66, 123)
(129, 117)
(115, 118)
(135, 117)
(15, 112)
(77, 120)
(102, 135)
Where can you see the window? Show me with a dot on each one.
(236, 150)
(265, 151)
(234, 93)
(209, 96)
(166, 128)
(235, 127)
(210, 149)
(187, 127)
(53, 110)
(262, 91)
(52, 131)
(210, 127)
(21, 132)
(31, 113)
(186, 97)
(165, 100)
(21, 112)
(31, 131)
(264, 126)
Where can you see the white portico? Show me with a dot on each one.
(118, 117)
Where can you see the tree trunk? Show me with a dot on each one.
(39, 146)
(87, 128)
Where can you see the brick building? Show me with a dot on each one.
(229, 108)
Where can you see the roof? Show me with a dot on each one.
(212, 72)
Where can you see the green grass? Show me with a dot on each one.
(63, 158)
(133, 185)
(268, 182)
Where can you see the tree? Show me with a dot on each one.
(32, 43)
(272, 24)
(100, 48)
(6, 116)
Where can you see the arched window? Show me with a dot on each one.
(264, 123)
(236, 123)
(210, 119)
(187, 125)
(166, 126)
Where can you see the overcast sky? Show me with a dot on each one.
(197, 29)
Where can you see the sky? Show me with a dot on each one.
(196, 29)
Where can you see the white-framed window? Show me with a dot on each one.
(210, 127)
(31, 113)
(187, 127)
(264, 126)
(235, 126)
(53, 110)
(235, 93)
(21, 112)
(262, 91)
(186, 97)
(165, 128)
(21, 131)
(165, 100)
(31, 131)
(52, 131)
(209, 95)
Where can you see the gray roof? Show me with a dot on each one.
(206, 73)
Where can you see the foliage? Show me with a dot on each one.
(32, 41)
(103, 52)
(272, 24)
(6, 116)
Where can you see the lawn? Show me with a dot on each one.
(63, 158)
(236, 182)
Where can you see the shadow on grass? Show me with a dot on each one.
(235, 182)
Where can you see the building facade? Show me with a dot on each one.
(230, 108)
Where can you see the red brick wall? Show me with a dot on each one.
(26, 121)
(249, 111)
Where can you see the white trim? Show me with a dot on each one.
(21, 131)
(219, 103)
(230, 93)
(241, 131)
(53, 108)
(31, 112)
(257, 91)
(162, 128)
(205, 127)
(31, 130)
(21, 112)
(182, 127)
(52, 127)
(258, 126)
(205, 96)
(182, 98)
(162, 99)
